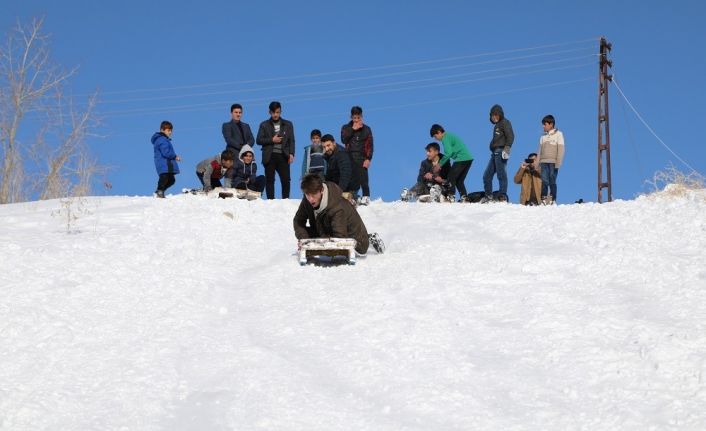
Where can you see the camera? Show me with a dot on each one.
(529, 161)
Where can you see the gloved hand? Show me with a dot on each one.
(505, 155)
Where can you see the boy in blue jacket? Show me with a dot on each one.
(165, 159)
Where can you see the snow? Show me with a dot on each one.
(191, 313)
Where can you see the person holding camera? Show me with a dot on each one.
(531, 180)
(276, 137)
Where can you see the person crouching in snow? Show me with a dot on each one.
(245, 172)
(330, 215)
(211, 170)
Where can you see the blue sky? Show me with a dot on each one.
(408, 64)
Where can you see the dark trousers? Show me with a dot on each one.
(457, 175)
(362, 173)
(257, 186)
(214, 181)
(278, 163)
(165, 181)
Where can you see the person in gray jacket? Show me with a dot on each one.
(210, 171)
(500, 145)
(235, 132)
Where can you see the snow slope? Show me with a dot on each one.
(192, 313)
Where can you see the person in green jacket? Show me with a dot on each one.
(456, 150)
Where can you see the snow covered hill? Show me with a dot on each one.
(192, 313)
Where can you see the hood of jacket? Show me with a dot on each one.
(157, 136)
(497, 109)
(245, 148)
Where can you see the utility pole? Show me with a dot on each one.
(604, 182)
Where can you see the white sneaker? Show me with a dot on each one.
(365, 200)
(404, 196)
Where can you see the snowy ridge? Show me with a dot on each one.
(192, 313)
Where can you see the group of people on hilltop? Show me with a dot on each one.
(332, 173)
(235, 166)
(441, 174)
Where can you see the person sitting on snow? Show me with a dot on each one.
(211, 170)
(330, 215)
(245, 172)
(427, 178)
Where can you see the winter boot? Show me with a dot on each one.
(376, 242)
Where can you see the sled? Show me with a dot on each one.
(332, 249)
(247, 194)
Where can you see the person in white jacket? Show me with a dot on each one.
(551, 156)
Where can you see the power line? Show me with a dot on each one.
(420, 103)
(355, 70)
(358, 78)
(297, 97)
(648, 126)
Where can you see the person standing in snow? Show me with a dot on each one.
(528, 176)
(245, 172)
(165, 159)
(500, 144)
(357, 138)
(314, 161)
(211, 170)
(551, 155)
(235, 132)
(276, 137)
(456, 150)
(329, 214)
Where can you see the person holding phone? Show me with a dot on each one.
(276, 137)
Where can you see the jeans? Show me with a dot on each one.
(496, 165)
(549, 173)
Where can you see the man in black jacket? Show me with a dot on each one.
(235, 132)
(357, 138)
(427, 176)
(503, 137)
(340, 168)
(276, 137)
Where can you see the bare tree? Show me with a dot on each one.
(43, 136)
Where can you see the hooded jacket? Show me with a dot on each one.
(244, 173)
(503, 136)
(338, 219)
(164, 155)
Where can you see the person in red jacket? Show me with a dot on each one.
(211, 170)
